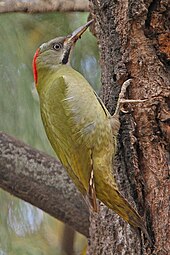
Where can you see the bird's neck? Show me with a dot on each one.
(45, 74)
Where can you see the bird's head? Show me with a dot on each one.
(56, 51)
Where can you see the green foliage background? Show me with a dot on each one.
(25, 229)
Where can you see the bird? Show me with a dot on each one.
(80, 129)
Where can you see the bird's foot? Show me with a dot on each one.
(121, 100)
(132, 101)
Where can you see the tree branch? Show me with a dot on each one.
(42, 181)
(43, 5)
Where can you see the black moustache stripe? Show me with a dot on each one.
(66, 56)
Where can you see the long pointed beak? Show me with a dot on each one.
(78, 32)
(70, 40)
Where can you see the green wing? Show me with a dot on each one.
(75, 122)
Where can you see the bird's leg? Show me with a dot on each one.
(122, 100)
(114, 119)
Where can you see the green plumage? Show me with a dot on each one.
(76, 124)
(80, 129)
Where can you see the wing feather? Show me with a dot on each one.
(74, 126)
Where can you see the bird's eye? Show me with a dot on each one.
(57, 46)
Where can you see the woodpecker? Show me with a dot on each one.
(79, 127)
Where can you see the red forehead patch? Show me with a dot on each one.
(34, 66)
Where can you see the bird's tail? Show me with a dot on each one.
(115, 201)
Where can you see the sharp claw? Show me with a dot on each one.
(124, 111)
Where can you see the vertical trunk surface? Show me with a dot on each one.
(134, 41)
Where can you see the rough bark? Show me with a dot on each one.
(41, 180)
(133, 38)
(43, 5)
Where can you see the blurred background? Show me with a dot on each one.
(25, 229)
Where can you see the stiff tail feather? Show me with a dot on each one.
(121, 206)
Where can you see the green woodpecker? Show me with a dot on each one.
(79, 127)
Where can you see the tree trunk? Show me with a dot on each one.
(134, 43)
